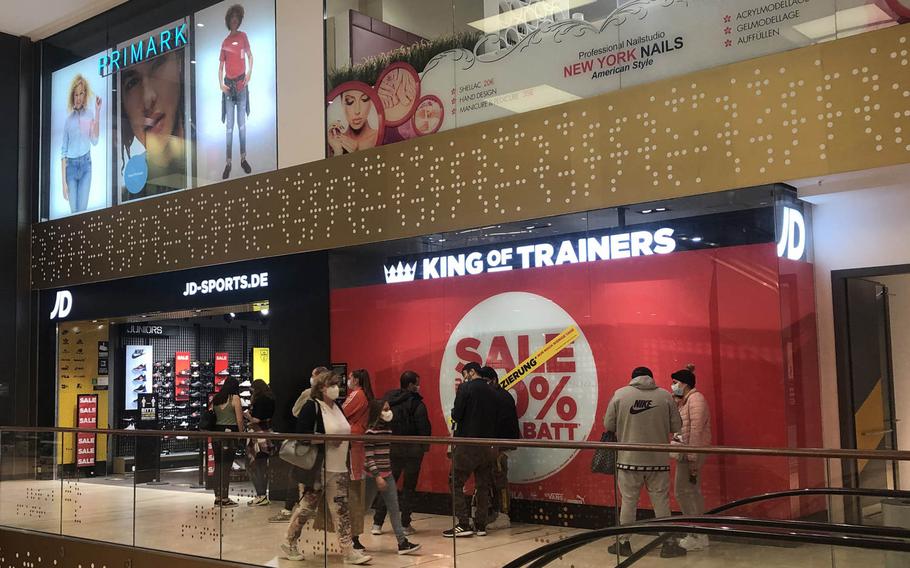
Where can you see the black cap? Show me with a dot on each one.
(472, 366)
(489, 374)
(684, 376)
(642, 372)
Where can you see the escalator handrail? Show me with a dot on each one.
(841, 491)
(843, 535)
(837, 491)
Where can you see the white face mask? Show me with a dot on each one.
(386, 415)
(678, 389)
(333, 392)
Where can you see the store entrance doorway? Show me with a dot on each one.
(872, 323)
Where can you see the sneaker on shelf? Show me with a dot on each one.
(224, 372)
(140, 388)
(283, 516)
(194, 374)
(184, 424)
(624, 549)
(695, 542)
(246, 394)
(458, 531)
(408, 530)
(376, 530)
(672, 549)
(407, 547)
(246, 384)
(196, 385)
(139, 379)
(502, 521)
(290, 552)
(357, 557)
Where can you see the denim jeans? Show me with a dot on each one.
(79, 181)
(390, 498)
(259, 475)
(409, 468)
(236, 105)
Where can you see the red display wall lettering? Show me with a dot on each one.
(720, 309)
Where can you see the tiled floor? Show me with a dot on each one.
(184, 521)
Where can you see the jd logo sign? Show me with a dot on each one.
(63, 305)
(792, 243)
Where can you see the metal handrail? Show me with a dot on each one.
(545, 558)
(819, 453)
(797, 532)
(842, 491)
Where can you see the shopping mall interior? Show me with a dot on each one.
(542, 283)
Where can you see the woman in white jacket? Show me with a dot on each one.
(696, 431)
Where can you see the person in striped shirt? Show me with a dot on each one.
(378, 467)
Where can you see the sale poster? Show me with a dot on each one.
(261, 363)
(221, 369)
(182, 376)
(87, 413)
(718, 309)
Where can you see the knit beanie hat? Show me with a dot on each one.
(684, 376)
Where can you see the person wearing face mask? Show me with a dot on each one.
(357, 408)
(378, 464)
(695, 432)
(329, 476)
(409, 418)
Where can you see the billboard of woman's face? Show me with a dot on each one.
(79, 152)
(153, 151)
(355, 118)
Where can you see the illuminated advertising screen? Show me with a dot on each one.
(153, 146)
(235, 90)
(79, 149)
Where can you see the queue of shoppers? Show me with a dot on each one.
(346, 479)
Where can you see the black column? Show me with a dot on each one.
(298, 330)
(16, 344)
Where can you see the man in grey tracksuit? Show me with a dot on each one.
(641, 413)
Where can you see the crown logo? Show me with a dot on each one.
(400, 273)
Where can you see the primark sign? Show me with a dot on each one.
(573, 250)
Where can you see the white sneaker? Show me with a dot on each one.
(502, 521)
(356, 557)
(695, 542)
(291, 553)
(377, 530)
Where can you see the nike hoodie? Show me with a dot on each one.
(641, 413)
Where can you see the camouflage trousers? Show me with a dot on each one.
(335, 491)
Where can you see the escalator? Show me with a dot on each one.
(743, 540)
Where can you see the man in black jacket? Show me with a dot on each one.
(410, 418)
(475, 416)
(506, 428)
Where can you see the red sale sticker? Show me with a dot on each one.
(87, 414)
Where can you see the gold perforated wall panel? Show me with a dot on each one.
(824, 109)
(22, 549)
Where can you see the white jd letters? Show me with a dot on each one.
(63, 305)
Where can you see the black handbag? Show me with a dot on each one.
(604, 460)
(208, 420)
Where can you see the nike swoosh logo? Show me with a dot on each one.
(638, 408)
